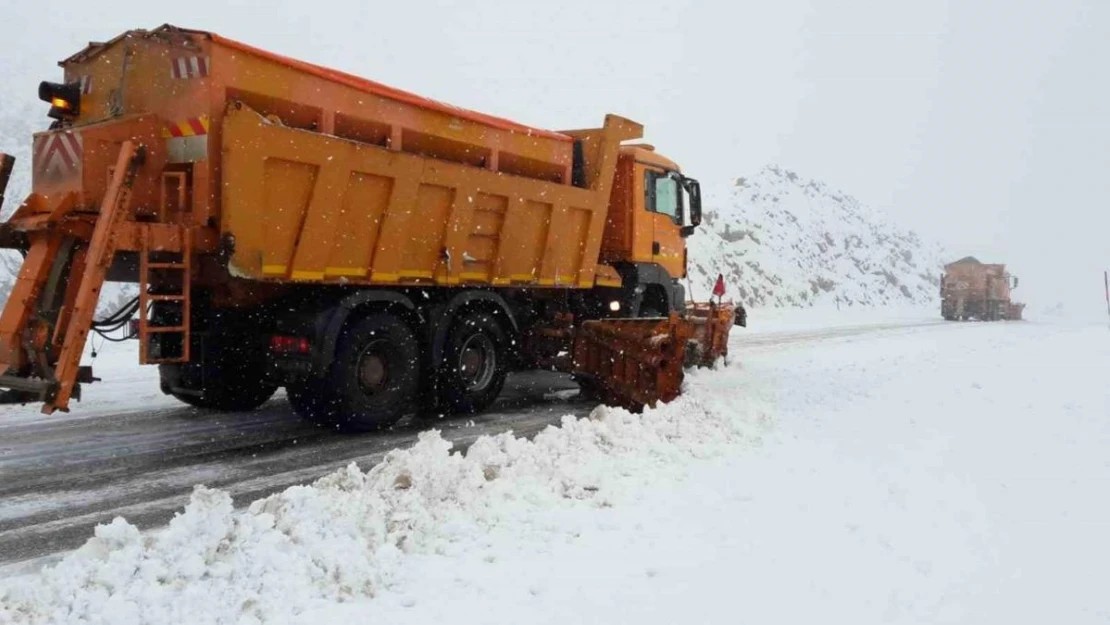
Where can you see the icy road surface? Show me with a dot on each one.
(128, 450)
(893, 472)
(60, 476)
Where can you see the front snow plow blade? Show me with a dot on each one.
(711, 325)
(634, 363)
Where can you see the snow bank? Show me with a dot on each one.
(343, 537)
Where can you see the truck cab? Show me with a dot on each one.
(653, 208)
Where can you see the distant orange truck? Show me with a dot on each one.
(366, 248)
(970, 289)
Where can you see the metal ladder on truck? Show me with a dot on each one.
(172, 291)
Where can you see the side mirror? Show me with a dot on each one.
(1015, 282)
(741, 317)
(693, 189)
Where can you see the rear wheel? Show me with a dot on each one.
(310, 402)
(372, 383)
(220, 378)
(474, 363)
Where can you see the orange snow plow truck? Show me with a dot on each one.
(372, 251)
(970, 289)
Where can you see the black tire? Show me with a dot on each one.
(216, 385)
(588, 388)
(475, 363)
(310, 403)
(227, 364)
(373, 382)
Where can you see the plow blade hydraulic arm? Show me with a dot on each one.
(49, 313)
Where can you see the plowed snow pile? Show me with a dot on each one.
(343, 537)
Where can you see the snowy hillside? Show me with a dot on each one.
(784, 241)
(18, 120)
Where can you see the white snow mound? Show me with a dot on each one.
(784, 241)
(342, 537)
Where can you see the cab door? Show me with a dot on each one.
(663, 199)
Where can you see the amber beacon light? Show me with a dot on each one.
(65, 100)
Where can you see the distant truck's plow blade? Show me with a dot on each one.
(633, 363)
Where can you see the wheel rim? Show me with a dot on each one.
(477, 362)
(373, 368)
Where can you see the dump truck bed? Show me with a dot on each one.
(307, 206)
(312, 174)
(985, 281)
(185, 78)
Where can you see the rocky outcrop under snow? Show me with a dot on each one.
(784, 241)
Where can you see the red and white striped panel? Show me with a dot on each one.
(86, 84)
(57, 155)
(184, 67)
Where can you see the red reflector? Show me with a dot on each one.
(289, 344)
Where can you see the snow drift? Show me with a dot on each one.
(784, 241)
(341, 537)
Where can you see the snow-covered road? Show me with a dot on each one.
(59, 477)
(131, 451)
(899, 471)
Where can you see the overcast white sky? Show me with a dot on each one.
(982, 123)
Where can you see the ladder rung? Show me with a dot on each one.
(166, 298)
(165, 265)
(165, 329)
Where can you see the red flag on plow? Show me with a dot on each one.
(719, 287)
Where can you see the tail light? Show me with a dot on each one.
(289, 344)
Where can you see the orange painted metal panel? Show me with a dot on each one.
(185, 78)
(307, 206)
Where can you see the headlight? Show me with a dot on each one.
(615, 306)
